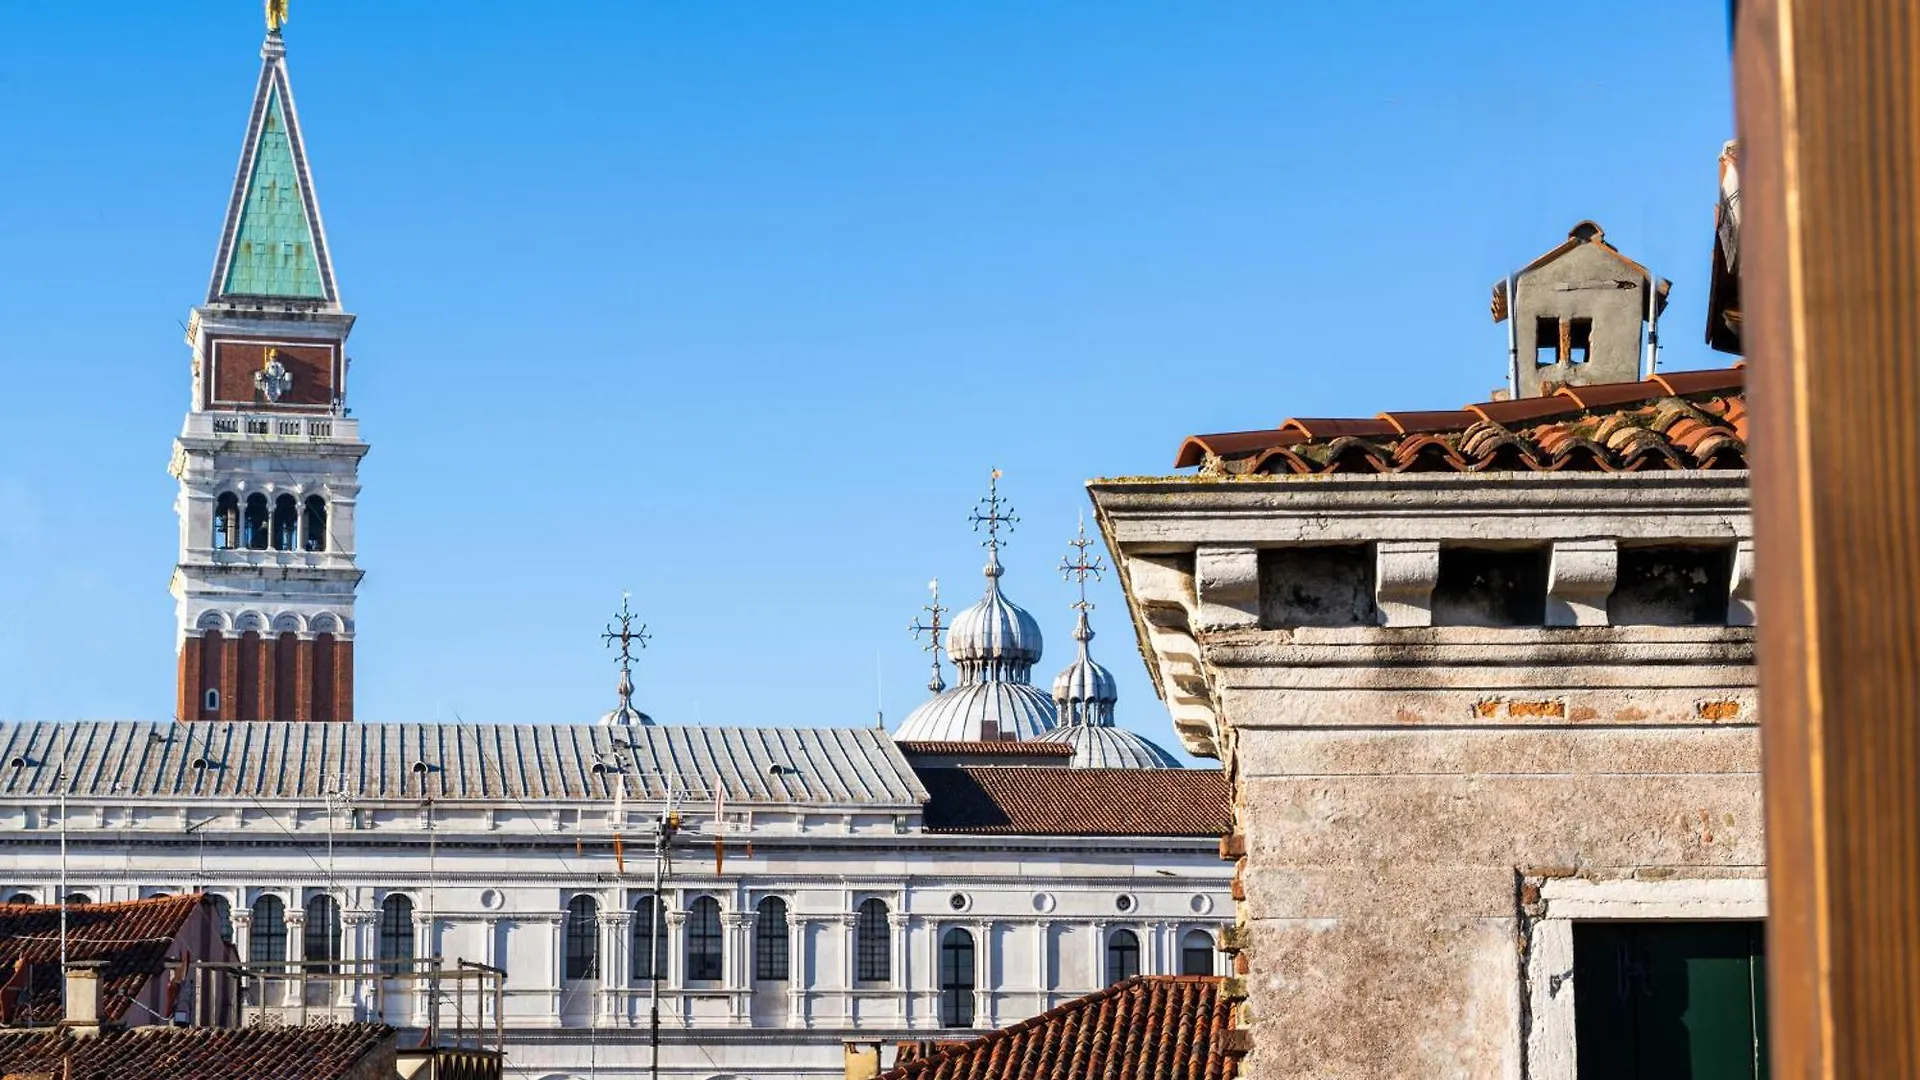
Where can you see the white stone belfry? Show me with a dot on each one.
(269, 458)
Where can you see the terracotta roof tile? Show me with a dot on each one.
(1011, 800)
(193, 1053)
(1157, 1027)
(1009, 748)
(1675, 420)
(132, 939)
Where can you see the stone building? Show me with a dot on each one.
(1483, 682)
(825, 886)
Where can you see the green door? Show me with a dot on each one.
(1670, 1000)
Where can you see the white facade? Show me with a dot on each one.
(493, 880)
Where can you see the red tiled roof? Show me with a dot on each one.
(1677, 420)
(1157, 1027)
(1007, 748)
(1011, 800)
(193, 1053)
(131, 938)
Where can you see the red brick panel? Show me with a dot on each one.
(188, 705)
(315, 368)
(286, 685)
(343, 682)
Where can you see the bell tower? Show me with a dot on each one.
(269, 457)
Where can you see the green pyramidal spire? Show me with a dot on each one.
(273, 245)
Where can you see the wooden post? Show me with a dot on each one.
(1828, 96)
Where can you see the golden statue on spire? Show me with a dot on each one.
(276, 15)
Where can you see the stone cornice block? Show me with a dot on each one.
(1404, 576)
(1227, 584)
(1580, 577)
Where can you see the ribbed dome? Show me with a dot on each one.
(1097, 747)
(980, 712)
(995, 638)
(1085, 692)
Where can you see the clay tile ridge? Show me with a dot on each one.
(1163, 1027)
(1392, 440)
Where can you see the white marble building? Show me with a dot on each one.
(856, 898)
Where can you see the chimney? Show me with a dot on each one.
(863, 1060)
(83, 998)
(1578, 315)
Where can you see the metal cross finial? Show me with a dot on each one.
(932, 628)
(1079, 567)
(628, 637)
(276, 15)
(997, 514)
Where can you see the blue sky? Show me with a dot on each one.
(734, 305)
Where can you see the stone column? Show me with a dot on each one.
(556, 963)
(799, 974)
(296, 920)
(352, 992)
(419, 991)
(612, 967)
(677, 950)
(733, 968)
(983, 979)
(242, 919)
(491, 950)
(1099, 953)
(1042, 943)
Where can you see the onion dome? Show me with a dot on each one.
(995, 638)
(1085, 692)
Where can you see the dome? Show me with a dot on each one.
(995, 638)
(992, 711)
(1108, 747)
(1085, 692)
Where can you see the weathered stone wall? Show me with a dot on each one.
(1410, 794)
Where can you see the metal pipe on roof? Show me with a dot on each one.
(1513, 336)
(1653, 326)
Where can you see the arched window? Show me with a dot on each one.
(703, 940)
(253, 531)
(226, 521)
(770, 940)
(396, 930)
(223, 913)
(78, 899)
(322, 935)
(268, 943)
(1123, 955)
(20, 898)
(873, 952)
(956, 979)
(286, 519)
(1196, 953)
(648, 927)
(316, 524)
(583, 938)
